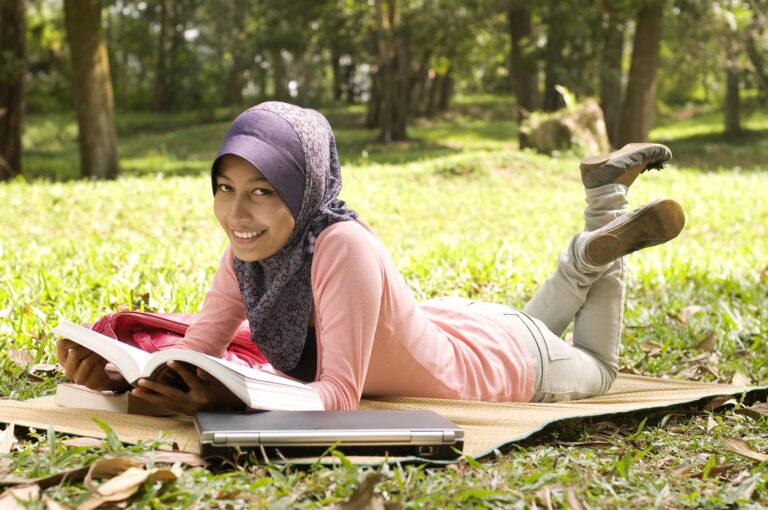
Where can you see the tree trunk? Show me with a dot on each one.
(240, 54)
(436, 84)
(393, 107)
(446, 91)
(160, 99)
(554, 59)
(611, 72)
(279, 76)
(374, 101)
(732, 106)
(418, 85)
(92, 89)
(402, 79)
(523, 66)
(640, 100)
(13, 69)
(336, 73)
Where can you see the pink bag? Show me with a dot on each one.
(153, 332)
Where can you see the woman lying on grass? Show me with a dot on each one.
(326, 304)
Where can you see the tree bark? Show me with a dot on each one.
(640, 100)
(732, 102)
(523, 67)
(160, 98)
(554, 59)
(92, 89)
(446, 91)
(611, 72)
(279, 76)
(13, 69)
(336, 73)
(392, 111)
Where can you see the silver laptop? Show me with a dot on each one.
(422, 434)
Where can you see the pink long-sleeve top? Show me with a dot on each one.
(373, 338)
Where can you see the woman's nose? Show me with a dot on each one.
(240, 209)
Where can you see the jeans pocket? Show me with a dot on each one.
(557, 349)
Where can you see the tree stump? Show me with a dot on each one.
(580, 127)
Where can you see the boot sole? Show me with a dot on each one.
(601, 159)
(655, 224)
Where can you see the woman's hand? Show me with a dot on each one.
(205, 392)
(85, 367)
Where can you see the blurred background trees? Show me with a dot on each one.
(402, 58)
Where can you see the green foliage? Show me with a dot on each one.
(462, 212)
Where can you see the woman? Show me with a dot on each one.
(326, 304)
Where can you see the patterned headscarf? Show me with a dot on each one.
(277, 291)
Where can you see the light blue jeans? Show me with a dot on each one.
(591, 297)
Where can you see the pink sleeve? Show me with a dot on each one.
(221, 314)
(347, 281)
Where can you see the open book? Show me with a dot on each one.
(258, 389)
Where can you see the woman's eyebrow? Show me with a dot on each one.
(252, 179)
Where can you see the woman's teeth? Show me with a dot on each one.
(246, 235)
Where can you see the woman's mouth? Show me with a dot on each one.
(245, 236)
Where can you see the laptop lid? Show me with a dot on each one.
(423, 434)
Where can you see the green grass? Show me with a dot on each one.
(462, 211)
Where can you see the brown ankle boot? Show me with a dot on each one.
(652, 224)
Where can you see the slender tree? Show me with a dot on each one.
(611, 70)
(160, 99)
(554, 71)
(92, 89)
(522, 63)
(390, 66)
(13, 65)
(640, 99)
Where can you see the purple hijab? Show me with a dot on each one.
(296, 151)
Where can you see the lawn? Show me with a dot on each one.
(462, 211)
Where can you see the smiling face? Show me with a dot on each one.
(255, 218)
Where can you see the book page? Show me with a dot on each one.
(127, 359)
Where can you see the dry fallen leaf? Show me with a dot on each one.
(545, 495)
(715, 471)
(686, 313)
(755, 412)
(740, 379)
(47, 368)
(20, 357)
(7, 439)
(743, 448)
(721, 401)
(70, 476)
(708, 343)
(124, 485)
(574, 502)
(711, 424)
(83, 441)
(682, 471)
(109, 467)
(50, 504)
(9, 500)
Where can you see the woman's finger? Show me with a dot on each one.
(89, 369)
(188, 375)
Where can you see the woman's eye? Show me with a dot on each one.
(223, 187)
(262, 191)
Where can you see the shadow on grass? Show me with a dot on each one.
(717, 151)
(185, 144)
